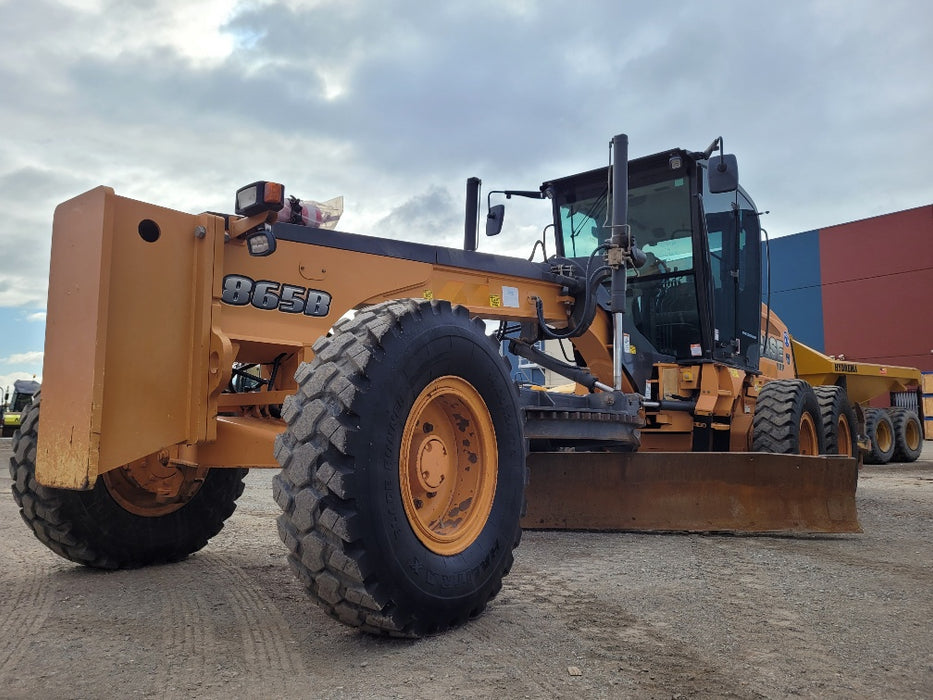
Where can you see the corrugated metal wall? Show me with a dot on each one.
(796, 294)
(862, 289)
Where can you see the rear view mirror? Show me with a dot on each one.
(494, 220)
(723, 174)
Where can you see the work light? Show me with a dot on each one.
(258, 197)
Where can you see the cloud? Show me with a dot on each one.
(38, 316)
(430, 217)
(394, 105)
(23, 358)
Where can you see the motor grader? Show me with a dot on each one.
(183, 349)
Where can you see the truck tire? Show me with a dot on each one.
(403, 470)
(880, 430)
(94, 529)
(908, 435)
(787, 419)
(840, 426)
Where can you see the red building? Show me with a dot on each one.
(862, 289)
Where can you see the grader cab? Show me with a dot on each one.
(361, 368)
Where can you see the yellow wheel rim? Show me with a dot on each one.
(154, 485)
(809, 443)
(883, 436)
(448, 465)
(844, 437)
(912, 435)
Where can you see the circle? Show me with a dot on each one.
(448, 465)
(149, 230)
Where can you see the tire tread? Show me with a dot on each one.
(315, 489)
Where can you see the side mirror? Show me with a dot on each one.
(723, 174)
(494, 220)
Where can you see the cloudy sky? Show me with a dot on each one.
(393, 104)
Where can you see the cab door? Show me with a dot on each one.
(734, 252)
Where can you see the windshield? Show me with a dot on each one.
(658, 213)
(661, 300)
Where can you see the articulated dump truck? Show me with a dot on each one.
(182, 350)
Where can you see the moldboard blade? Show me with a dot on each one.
(740, 492)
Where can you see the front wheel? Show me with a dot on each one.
(148, 512)
(403, 469)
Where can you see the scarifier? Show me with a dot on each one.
(183, 349)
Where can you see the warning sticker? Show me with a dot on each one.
(495, 300)
(695, 350)
(428, 294)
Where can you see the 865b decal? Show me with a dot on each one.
(240, 290)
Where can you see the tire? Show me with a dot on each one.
(364, 536)
(840, 425)
(787, 419)
(908, 435)
(94, 529)
(880, 430)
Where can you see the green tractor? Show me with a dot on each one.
(15, 403)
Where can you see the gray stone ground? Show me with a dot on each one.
(594, 615)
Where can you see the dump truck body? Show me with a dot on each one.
(863, 381)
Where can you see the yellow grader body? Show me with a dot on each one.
(148, 322)
(183, 349)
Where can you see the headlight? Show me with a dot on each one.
(261, 243)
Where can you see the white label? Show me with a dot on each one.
(510, 297)
(626, 343)
(648, 391)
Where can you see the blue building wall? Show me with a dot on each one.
(796, 294)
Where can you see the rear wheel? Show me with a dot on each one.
(403, 470)
(908, 435)
(787, 419)
(880, 430)
(148, 512)
(840, 426)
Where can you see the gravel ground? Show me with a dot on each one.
(594, 615)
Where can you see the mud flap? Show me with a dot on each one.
(691, 492)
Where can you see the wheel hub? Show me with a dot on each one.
(448, 465)
(154, 485)
(433, 464)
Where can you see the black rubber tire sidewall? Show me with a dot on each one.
(131, 540)
(91, 528)
(876, 455)
(834, 403)
(423, 352)
(901, 420)
(779, 409)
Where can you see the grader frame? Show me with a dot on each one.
(178, 354)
